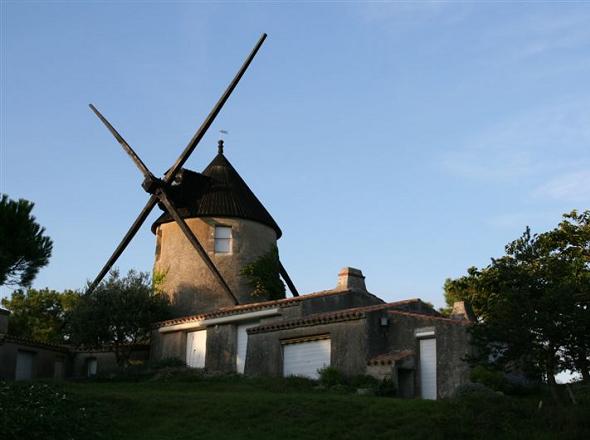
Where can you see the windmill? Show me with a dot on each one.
(159, 190)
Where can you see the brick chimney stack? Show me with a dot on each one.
(351, 278)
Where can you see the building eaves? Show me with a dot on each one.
(390, 358)
(431, 317)
(243, 308)
(329, 317)
(6, 338)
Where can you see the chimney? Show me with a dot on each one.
(4, 321)
(350, 278)
(462, 311)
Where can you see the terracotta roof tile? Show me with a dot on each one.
(32, 342)
(390, 358)
(435, 317)
(329, 317)
(242, 308)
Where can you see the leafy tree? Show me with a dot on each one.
(39, 314)
(118, 313)
(262, 276)
(533, 304)
(23, 247)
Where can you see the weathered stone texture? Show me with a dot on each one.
(189, 282)
(348, 346)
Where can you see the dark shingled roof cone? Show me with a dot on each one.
(218, 191)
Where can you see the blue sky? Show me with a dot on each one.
(410, 140)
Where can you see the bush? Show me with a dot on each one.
(170, 362)
(477, 390)
(492, 379)
(363, 381)
(386, 388)
(330, 376)
(41, 411)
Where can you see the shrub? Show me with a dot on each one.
(386, 388)
(364, 381)
(492, 379)
(169, 362)
(477, 390)
(331, 376)
(41, 411)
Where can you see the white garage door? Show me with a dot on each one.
(196, 346)
(306, 358)
(243, 346)
(428, 368)
(24, 365)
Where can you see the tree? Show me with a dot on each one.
(40, 314)
(533, 304)
(23, 247)
(118, 313)
(262, 275)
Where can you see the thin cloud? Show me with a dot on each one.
(539, 144)
(569, 187)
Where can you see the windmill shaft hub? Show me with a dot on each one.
(152, 184)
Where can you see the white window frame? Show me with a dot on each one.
(219, 237)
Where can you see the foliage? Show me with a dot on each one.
(158, 279)
(169, 362)
(40, 314)
(239, 407)
(41, 411)
(386, 388)
(333, 379)
(492, 379)
(533, 304)
(23, 247)
(475, 390)
(262, 275)
(119, 312)
(330, 376)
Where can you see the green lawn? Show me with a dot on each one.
(241, 408)
(190, 406)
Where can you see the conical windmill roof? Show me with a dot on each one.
(219, 191)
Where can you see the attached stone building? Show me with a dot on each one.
(347, 328)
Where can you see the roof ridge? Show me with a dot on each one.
(440, 318)
(252, 306)
(332, 316)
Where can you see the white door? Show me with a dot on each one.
(196, 346)
(306, 358)
(91, 367)
(428, 368)
(243, 346)
(24, 365)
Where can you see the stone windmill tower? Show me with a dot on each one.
(233, 227)
(216, 208)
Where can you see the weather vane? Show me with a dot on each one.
(222, 132)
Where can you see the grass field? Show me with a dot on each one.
(240, 408)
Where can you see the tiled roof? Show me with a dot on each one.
(251, 307)
(390, 358)
(109, 348)
(218, 192)
(32, 342)
(329, 317)
(434, 317)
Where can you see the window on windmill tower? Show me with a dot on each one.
(222, 239)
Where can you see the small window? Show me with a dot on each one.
(222, 239)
